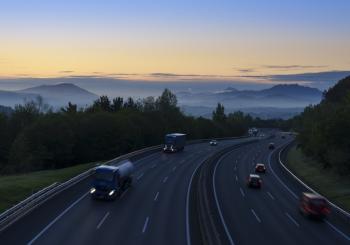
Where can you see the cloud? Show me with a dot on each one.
(66, 71)
(287, 67)
(246, 70)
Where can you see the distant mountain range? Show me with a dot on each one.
(55, 95)
(279, 96)
(282, 101)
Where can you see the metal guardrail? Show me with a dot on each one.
(334, 206)
(24, 207)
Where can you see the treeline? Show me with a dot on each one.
(34, 137)
(325, 129)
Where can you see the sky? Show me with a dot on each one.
(171, 40)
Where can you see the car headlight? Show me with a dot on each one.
(111, 193)
(92, 190)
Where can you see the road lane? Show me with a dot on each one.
(280, 222)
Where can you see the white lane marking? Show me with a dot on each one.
(256, 216)
(235, 168)
(337, 230)
(174, 168)
(272, 197)
(236, 178)
(165, 179)
(140, 176)
(156, 196)
(293, 220)
(145, 225)
(102, 220)
(217, 200)
(237, 161)
(278, 178)
(188, 234)
(296, 197)
(123, 194)
(56, 219)
(242, 192)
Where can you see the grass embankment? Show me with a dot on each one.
(15, 188)
(328, 183)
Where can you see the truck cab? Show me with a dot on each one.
(174, 142)
(110, 181)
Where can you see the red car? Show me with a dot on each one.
(254, 181)
(313, 205)
(260, 168)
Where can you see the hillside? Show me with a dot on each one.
(55, 95)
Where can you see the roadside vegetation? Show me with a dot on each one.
(15, 188)
(324, 130)
(329, 183)
(36, 138)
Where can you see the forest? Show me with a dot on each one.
(34, 137)
(324, 129)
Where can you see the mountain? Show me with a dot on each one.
(279, 96)
(55, 95)
(282, 101)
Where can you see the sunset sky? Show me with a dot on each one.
(151, 39)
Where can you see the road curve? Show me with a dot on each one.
(153, 211)
(269, 215)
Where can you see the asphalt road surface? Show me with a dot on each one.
(153, 211)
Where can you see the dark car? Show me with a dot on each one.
(271, 146)
(313, 205)
(254, 181)
(260, 168)
(213, 143)
(283, 136)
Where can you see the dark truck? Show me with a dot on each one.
(110, 181)
(174, 142)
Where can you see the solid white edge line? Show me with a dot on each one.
(293, 194)
(188, 234)
(165, 179)
(278, 178)
(217, 201)
(102, 220)
(145, 225)
(293, 220)
(56, 219)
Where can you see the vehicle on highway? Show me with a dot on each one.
(260, 168)
(213, 143)
(174, 142)
(313, 205)
(283, 136)
(109, 182)
(254, 181)
(253, 132)
(271, 146)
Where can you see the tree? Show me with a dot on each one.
(219, 113)
(70, 109)
(167, 101)
(117, 104)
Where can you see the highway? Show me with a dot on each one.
(155, 209)
(269, 215)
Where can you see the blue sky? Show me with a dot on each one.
(215, 38)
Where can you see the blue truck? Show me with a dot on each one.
(109, 182)
(174, 142)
